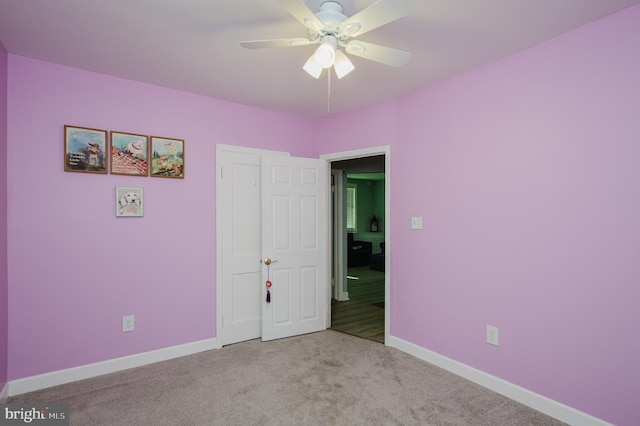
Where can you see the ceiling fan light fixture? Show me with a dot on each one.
(325, 55)
(312, 67)
(342, 65)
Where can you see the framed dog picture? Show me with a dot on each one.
(129, 201)
(85, 150)
(129, 153)
(167, 157)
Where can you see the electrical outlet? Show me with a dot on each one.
(128, 323)
(492, 335)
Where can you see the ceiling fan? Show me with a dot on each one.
(331, 29)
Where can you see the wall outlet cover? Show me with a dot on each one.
(128, 323)
(492, 335)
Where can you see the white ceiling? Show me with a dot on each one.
(194, 45)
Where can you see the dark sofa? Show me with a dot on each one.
(376, 261)
(358, 252)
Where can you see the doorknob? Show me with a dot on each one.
(268, 261)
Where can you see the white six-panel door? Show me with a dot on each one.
(294, 234)
(240, 246)
(257, 214)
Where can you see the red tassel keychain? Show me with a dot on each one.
(267, 262)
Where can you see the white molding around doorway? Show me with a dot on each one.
(337, 244)
(370, 152)
(338, 156)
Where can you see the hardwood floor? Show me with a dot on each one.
(363, 314)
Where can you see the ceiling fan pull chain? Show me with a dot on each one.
(328, 90)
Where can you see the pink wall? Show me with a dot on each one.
(371, 127)
(3, 219)
(526, 173)
(76, 269)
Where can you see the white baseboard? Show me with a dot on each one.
(536, 401)
(55, 378)
(343, 296)
(4, 394)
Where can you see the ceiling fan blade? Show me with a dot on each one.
(302, 13)
(374, 52)
(276, 42)
(376, 15)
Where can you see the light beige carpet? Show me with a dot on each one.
(325, 378)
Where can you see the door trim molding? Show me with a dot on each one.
(370, 152)
(337, 244)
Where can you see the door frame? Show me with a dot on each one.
(361, 153)
(337, 156)
(338, 254)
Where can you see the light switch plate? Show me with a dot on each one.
(416, 222)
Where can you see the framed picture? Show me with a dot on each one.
(129, 201)
(85, 150)
(129, 153)
(167, 157)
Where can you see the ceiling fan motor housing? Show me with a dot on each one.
(331, 16)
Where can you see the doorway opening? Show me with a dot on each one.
(238, 172)
(360, 218)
